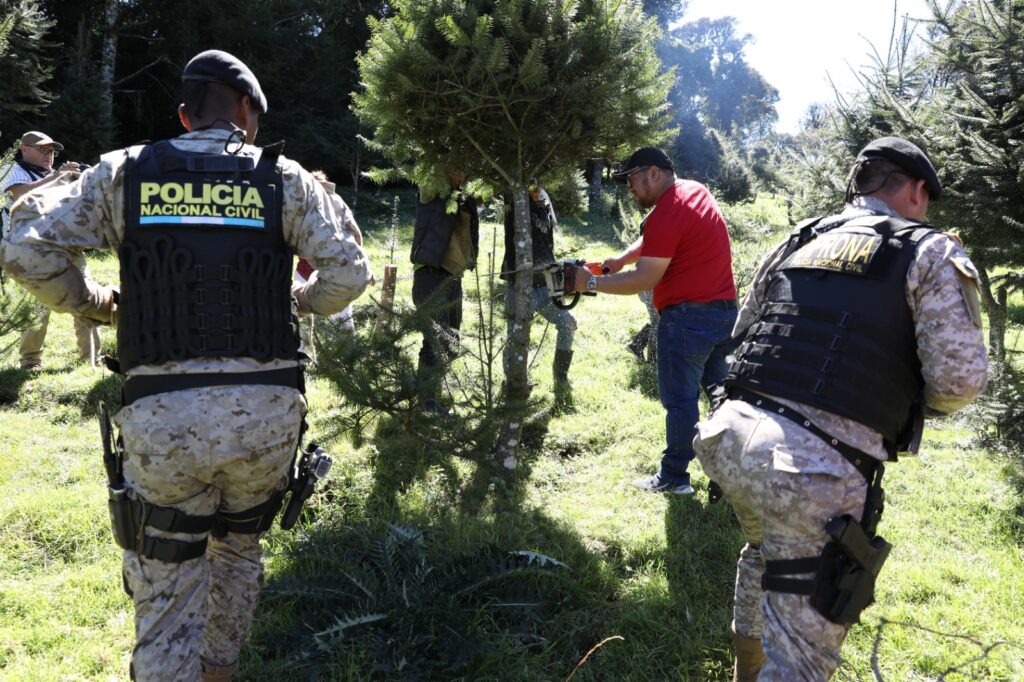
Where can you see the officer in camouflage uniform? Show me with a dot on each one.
(855, 325)
(206, 226)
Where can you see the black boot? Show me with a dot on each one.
(638, 344)
(563, 389)
(563, 359)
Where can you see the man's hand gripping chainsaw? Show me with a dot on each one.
(561, 281)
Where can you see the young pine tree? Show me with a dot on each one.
(509, 91)
(15, 311)
(979, 117)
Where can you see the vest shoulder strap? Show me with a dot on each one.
(801, 234)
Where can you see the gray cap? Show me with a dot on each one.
(907, 156)
(34, 138)
(217, 66)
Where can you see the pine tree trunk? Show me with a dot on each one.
(995, 306)
(596, 171)
(108, 62)
(355, 174)
(517, 348)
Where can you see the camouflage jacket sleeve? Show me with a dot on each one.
(350, 224)
(942, 290)
(320, 230)
(754, 299)
(50, 229)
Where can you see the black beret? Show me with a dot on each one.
(645, 156)
(907, 156)
(217, 66)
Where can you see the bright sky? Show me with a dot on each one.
(798, 44)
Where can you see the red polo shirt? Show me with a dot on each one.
(686, 226)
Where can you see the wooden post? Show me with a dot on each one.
(387, 295)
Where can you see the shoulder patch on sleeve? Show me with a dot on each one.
(967, 274)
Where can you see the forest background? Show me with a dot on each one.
(413, 565)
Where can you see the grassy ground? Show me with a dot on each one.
(653, 570)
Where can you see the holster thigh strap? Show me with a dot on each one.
(773, 579)
(256, 519)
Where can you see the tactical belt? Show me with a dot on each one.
(136, 387)
(862, 462)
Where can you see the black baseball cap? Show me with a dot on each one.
(907, 156)
(645, 156)
(217, 66)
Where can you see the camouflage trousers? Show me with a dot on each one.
(87, 335)
(784, 484)
(200, 450)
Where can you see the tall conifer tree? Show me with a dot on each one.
(25, 67)
(509, 91)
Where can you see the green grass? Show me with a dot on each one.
(656, 571)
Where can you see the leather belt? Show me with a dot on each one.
(720, 304)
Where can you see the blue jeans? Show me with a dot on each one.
(692, 347)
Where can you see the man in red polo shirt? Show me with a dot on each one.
(683, 254)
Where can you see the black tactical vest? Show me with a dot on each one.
(205, 270)
(835, 331)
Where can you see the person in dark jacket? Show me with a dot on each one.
(444, 245)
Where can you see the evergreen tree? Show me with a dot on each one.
(15, 311)
(82, 114)
(722, 106)
(25, 68)
(665, 11)
(116, 76)
(978, 121)
(509, 91)
(733, 95)
(962, 101)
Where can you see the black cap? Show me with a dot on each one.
(217, 66)
(645, 156)
(907, 156)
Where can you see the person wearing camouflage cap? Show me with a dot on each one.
(206, 227)
(854, 329)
